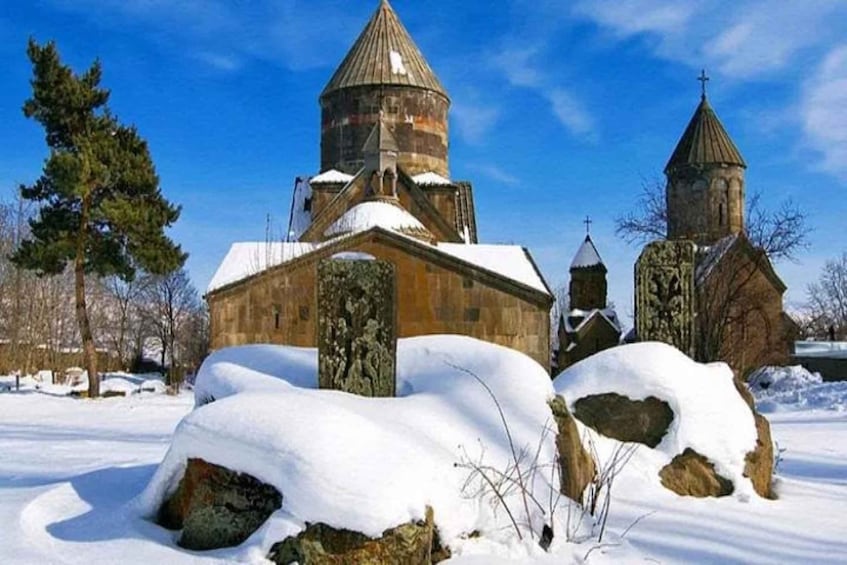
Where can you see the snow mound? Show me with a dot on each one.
(117, 385)
(367, 464)
(710, 416)
(783, 389)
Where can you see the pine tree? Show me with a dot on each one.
(101, 209)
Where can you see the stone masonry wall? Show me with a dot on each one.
(706, 205)
(280, 307)
(416, 117)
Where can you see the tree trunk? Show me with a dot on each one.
(89, 353)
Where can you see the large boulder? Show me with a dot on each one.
(413, 543)
(576, 467)
(691, 474)
(759, 462)
(216, 507)
(704, 434)
(616, 416)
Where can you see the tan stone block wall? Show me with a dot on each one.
(416, 117)
(705, 205)
(431, 300)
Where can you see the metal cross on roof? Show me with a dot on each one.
(703, 80)
(587, 221)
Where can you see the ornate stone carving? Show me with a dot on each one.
(664, 294)
(357, 330)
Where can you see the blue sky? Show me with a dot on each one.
(560, 109)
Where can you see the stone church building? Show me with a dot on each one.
(384, 190)
(734, 308)
(588, 324)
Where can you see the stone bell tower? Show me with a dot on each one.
(385, 72)
(705, 174)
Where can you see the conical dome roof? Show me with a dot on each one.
(705, 142)
(384, 54)
(587, 256)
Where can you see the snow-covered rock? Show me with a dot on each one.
(370, 464)
(710, 417)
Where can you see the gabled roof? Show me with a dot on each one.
(508, 267)
(705, 142)
(380, 139)
(587, 256)
(711, 257)
(384, 54)
(331, 176)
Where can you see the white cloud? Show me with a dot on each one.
(523, 69)
(571, 113)
(473, 121)
(739, 38)
(517, 66)
(824, 111)
(495, 173)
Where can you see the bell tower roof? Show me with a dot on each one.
(384, 54)
(705, 142)
(587, 256)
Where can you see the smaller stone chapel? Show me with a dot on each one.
(384, 191)
(589, 324)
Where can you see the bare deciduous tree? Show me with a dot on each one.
(827, 304)
(170, 301)
(780, 233)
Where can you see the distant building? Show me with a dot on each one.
(588, 324)
(739, 310)
(384, 190)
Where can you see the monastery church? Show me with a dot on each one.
(384, 190)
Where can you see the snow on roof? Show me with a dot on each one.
(301, 217)
(366, 215)
(431, 179)
(511, 261)
(587, 255)
(712, 256)
(582, 317)
(397, 66)
(246, 259)
(332, 176)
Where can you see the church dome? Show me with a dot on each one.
(378, 213)
(384, 54)
(705, 142)
(385, 74)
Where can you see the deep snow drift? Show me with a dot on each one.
(71, 470)
(369, 464)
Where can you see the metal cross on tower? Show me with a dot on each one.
(587, 221)
(703, 78)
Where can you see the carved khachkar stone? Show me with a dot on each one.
(664, 294)
(357, 330)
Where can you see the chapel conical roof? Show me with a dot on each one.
(705, 142)
(587, 256)
(384, 54)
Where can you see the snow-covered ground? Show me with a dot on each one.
(71, 471)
